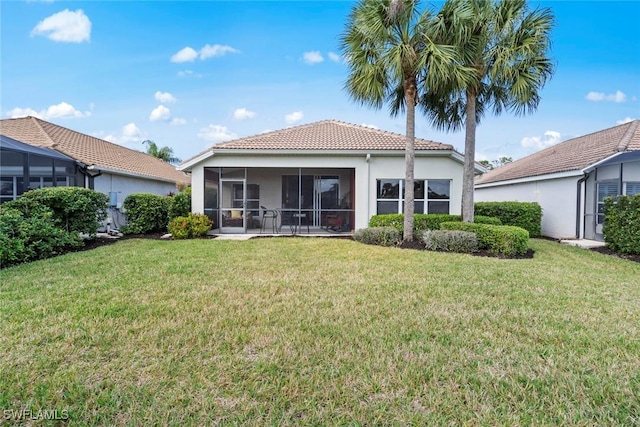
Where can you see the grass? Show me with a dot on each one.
(321, 331)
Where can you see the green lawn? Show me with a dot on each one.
(303, 331)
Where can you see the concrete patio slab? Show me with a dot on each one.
(583, 243)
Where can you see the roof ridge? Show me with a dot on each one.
(626, 138)
(36, 121)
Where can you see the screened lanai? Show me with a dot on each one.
(237, 199)
(25, 167)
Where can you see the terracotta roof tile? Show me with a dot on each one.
(87, 149)
(331, 135)
(571, 155)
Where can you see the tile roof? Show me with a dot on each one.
(331, 135)
(572, 155)
(89, 150)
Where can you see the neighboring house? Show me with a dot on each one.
(325, 174)
(98, 164)
(570, 180)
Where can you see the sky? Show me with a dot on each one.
(190, 74)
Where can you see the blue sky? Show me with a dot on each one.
(191, 74)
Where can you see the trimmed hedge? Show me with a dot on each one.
(32, 235)
(450, 241)
(621, 228)
(381, 236)
(519, 214)
(180, 204)
(73, 209)
(190, 226)
(498, 239)
(146, 213)
(423, 222)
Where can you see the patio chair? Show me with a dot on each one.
(269, 214)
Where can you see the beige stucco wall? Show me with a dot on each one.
(125, 185)
(367, 171)
(557, 197)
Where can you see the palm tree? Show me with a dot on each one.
(165, 153)
(392, 59)
(507, 47)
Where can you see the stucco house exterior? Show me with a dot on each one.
(327, 174)
(570, 180)
(30, 146)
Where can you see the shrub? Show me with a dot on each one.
(32, 235)
(450, 241)
(190, 226)
(381, 236)
(423, 222)
(481, 219)
(146, 213)
(622, 224)
(73, 209)
(498, 239)
(519, 214)
(180, 204)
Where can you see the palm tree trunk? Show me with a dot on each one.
(469, 158)
(409, 160)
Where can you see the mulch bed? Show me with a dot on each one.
(605, 250)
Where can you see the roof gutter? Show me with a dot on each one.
(101, 170)
(595, 165)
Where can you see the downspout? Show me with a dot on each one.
(368, 187)
(579, 214)
(89, 176)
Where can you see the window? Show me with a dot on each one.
(632, 188)
(390, 196)
(605, 189)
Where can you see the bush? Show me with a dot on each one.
(519, 214)
(32, 235)
(498, 239)
(73, 209)
(450, 241)
(481, 219)
(423, 222)
(381, 236)
(180, 204)
(622, 224)
(146, 213)
(190, 226)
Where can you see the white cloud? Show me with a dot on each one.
(62, 110)
(177, 121)
(334, 56)
(313, 57)
(187, 54)
(625, 120)
(367, 125)
(22, 112)
(160, 113)
(164, 97)
(296, 116)
(65, 26)
(550, 138)
(243, 113)
(131, 133)
(600, 96)
(216, 133)
(216, 50)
